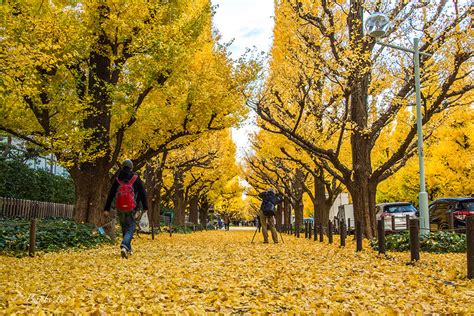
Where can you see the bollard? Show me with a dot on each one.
(315, 228)
(305, 230)
(343, 234)
(348, 226)
(414, 239)
(321, 232)
(393, 223)
(451, 220)
(330, 232)
(407, 221)
(32, 245)
(152, 219)
(381, 235)
(358, 236)
(170, 228)
(310, 229)
(470, 246)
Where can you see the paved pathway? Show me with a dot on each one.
(240, 228)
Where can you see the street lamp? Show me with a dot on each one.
(376, 26)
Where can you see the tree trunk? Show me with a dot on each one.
(178, 198)
(154, 185)
(286, 211)
(278, 216)
(92, 183)
(360, 141)
(298, 197)
(363, 196)
(321, 207)
(150, 185)
(193, 209)
(299, 212)
(203, 212)
(372, 209)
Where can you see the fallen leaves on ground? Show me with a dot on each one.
(219, 271)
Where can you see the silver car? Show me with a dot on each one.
(397, 210)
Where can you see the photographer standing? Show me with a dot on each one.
(267, 213)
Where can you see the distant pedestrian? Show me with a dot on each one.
(128, 191)
(226, 222)
(267, 214)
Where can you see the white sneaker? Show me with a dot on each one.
(124, 252)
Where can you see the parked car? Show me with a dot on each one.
(308, 219)
(440, 210)
(399, 210)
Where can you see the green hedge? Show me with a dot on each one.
(437, 242)
(19, 181)
(52, 234)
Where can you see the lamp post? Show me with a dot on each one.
(376, 26)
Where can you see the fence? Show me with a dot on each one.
(10, 207)
(412, 224)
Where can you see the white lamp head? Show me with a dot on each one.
(377, 25)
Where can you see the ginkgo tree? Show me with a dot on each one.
(449, 160)
(267, 167)
(347, 92)
(196, 176)
(97, 80)
(229, 202)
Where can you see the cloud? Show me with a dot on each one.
(249, 22)
(253, 33)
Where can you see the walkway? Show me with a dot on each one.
(221, 271)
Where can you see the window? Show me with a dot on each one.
(402, 208)
(466, 205)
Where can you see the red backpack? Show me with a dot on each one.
(125, 198)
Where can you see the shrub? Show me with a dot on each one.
(51, 234)
(19, 181)
(437, 242)
(178, 229)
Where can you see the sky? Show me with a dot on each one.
(248, 23)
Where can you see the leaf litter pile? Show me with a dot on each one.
(220, 271)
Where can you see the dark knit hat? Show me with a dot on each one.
(127, 163)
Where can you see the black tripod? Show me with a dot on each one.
(257, 229)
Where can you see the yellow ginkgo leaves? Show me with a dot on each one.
(222, 271)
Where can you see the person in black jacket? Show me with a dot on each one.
(127, 219)
(267, 213)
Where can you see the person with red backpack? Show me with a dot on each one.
(128, 191)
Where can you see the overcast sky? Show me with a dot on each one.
(249, 23)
